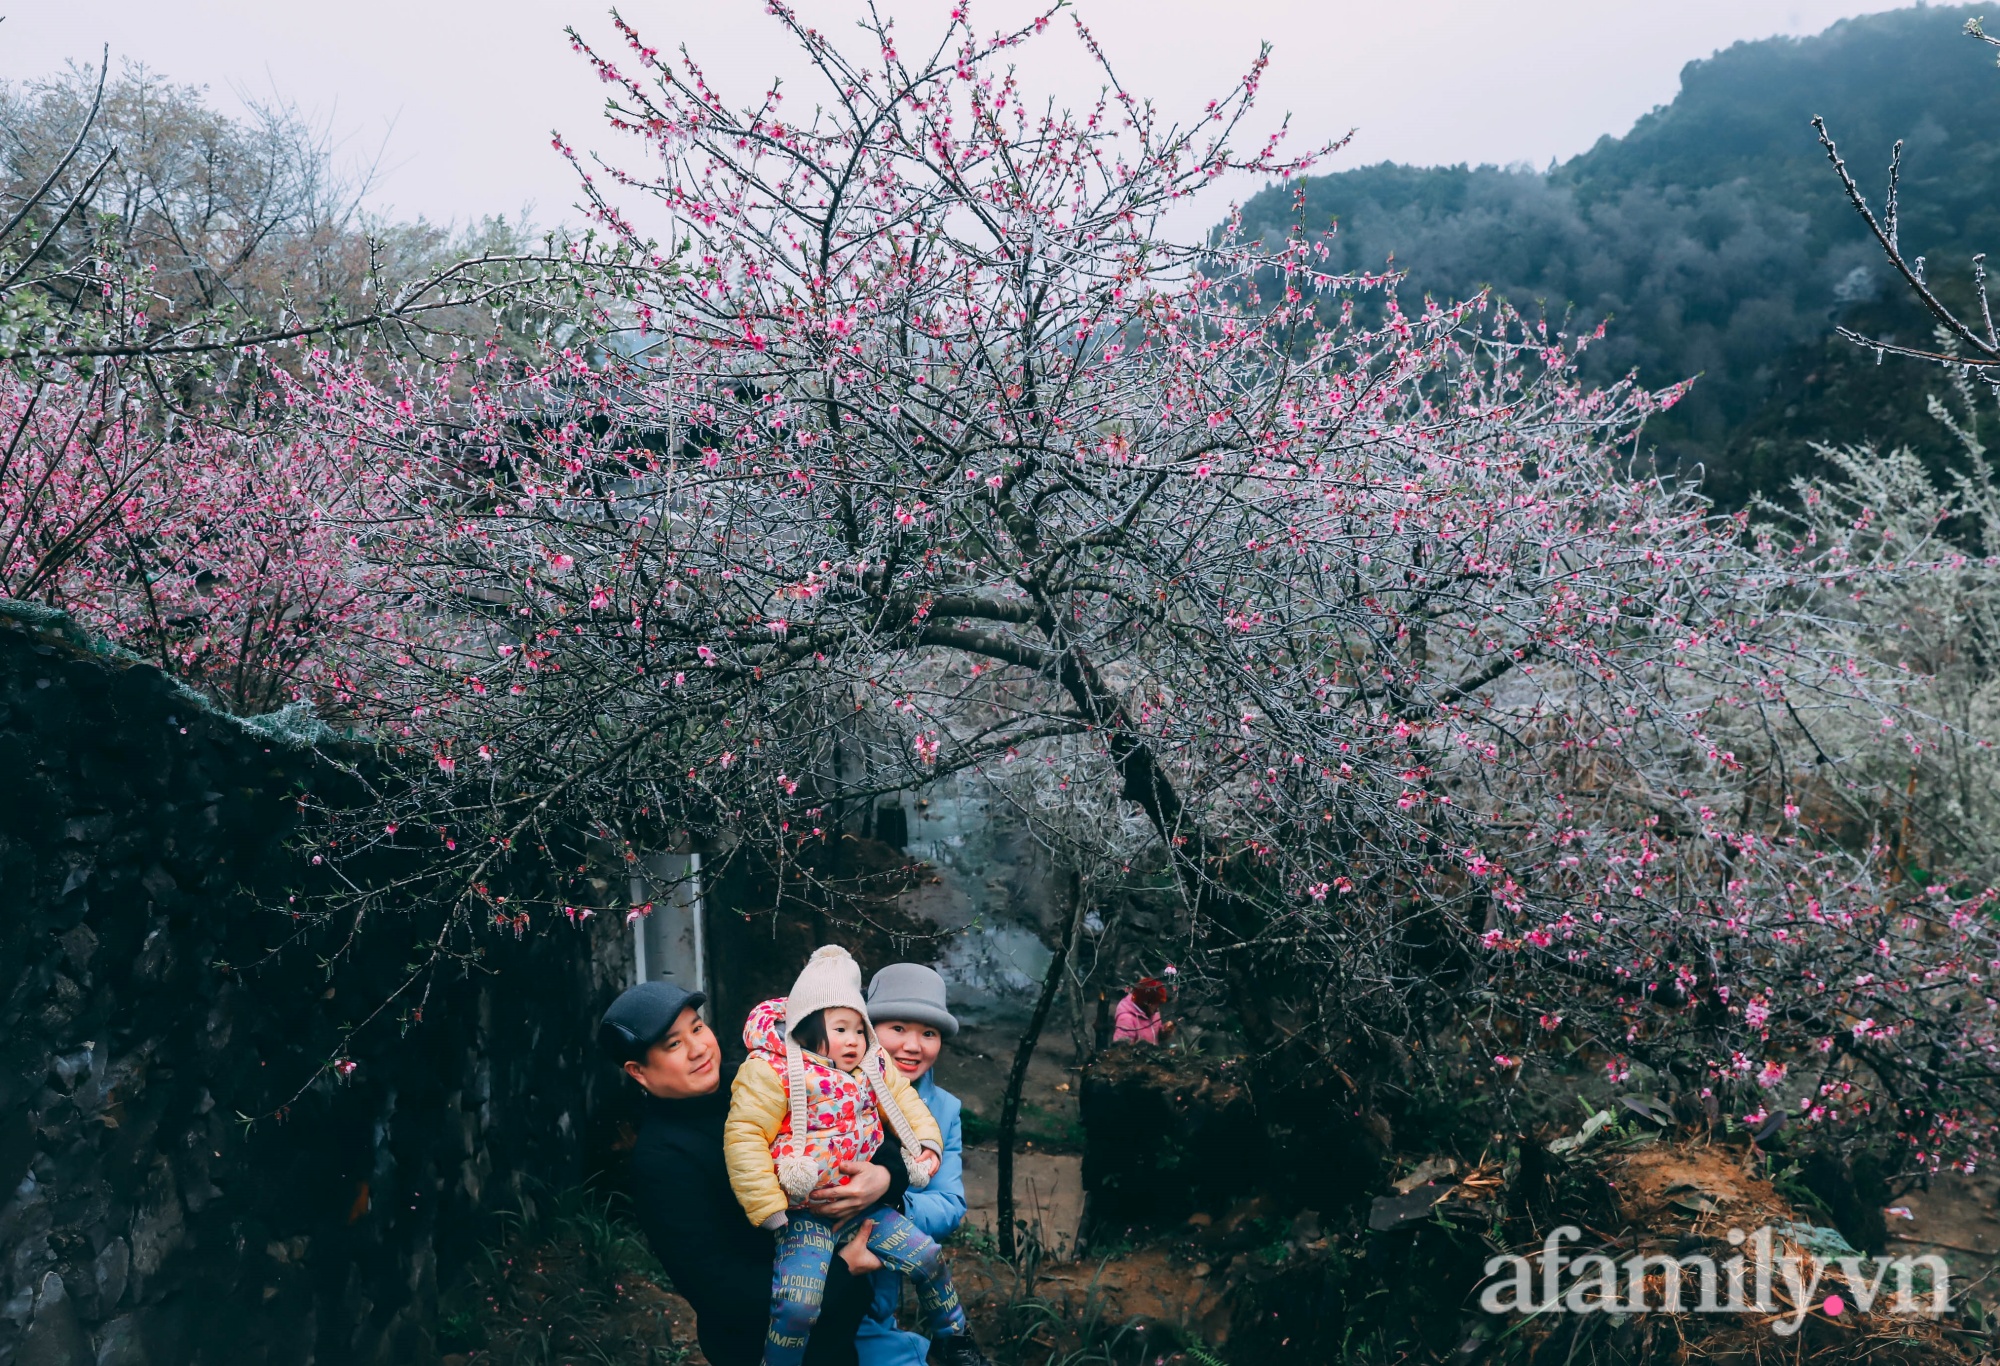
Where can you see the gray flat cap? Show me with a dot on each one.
(642, 1015)
(910, 991)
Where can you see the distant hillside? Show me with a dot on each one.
(1715, 238)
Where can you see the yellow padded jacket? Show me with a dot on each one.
(760, 1112)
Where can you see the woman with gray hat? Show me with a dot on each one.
(719, 1263)
(906, 1004)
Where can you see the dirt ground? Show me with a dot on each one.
(1048, 1193)
(1145, 1283)
(1958, 1218)
(1151, 1284)
(1960, 1213)
(1048, 1166)
(1664, 1183)
(1193, 1283)
(974, 1068)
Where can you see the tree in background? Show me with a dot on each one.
(1948, 631)
(1712, 241)
(212, 549)
(158, 264)
(249, 221)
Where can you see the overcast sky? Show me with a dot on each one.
(459, 96)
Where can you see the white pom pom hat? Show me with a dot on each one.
(831, 980)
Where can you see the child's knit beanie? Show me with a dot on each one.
(831, 980)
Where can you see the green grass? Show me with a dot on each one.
(1050, 1130)
(567, 1283)
(1036, 1329)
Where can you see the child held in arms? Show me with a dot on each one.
(814, 1094)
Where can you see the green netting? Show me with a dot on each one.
(295, 725)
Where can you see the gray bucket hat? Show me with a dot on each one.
(910, 991)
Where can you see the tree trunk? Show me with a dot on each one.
(1010, 1103)
(1196, 862)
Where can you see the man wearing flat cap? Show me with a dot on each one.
(719, 1263)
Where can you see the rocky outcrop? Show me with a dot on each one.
(1166, 1134)
(180, 1180)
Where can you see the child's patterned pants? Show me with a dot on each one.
(805, 1254)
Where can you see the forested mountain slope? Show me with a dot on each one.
(1715, 238)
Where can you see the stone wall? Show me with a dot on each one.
(168, 1191)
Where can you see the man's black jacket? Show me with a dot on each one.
(720, 1262)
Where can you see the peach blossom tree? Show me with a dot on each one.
(920, 449)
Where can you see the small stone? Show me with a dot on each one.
(110, 1270)
(69, 1066)
(118, 1343)
(54, 1336)
(79, 945)
(160, 1226)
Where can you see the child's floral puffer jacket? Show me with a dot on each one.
(843, 1122)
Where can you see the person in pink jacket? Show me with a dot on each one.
(1137, 1018)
